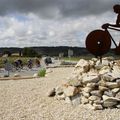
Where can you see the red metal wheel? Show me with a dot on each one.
(98, 42)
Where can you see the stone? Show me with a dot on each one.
(118, 106)
(84, 100)
(116, 72)
(112, 85)
(105, 62)
(98, 101)
(107, 77)
(100, 65)
(102, 83)
(109, 103)
(92, 73)
(94, 98)
(16, 75)
(74, 82)
(91, 102)
(107, 98)
(109, 93)
(91, 63)
(118, 95)
(115, 90)
(70, 91)
(94, 59)
(96, 93)
(68, 100)
(97, 107)
(59, 90)
(90, 79)
(76, 100)
(51, 93)
(104, 97)
(83, 64)
(101, 88)
(111, 58)
(118, 81)
(35, 75)
(60, 97)
(91, 85)
(87, 95)
(104, 70)
(87, 89)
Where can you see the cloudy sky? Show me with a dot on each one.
(52, 22)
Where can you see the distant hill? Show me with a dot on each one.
(51, 51)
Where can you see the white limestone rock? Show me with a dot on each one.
(102, 88)
(35, 75)
(70, 91)
(16, 75)
(97, 107)
(83, 64)
(84, 100)
(94, 98)
(110, 101)
(115, 90)
(107, 77)
(118, 95)
(76, 99)
(59, 90)
(51, 93)
(74, 82)
(68, 100)
(104, 70)
(86, 94)
(90, 79)
(96, 93)
(87, 89)
(116, 72)
(112, 85)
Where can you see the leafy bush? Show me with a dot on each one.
(42, 73)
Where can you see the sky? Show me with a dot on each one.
(25, 23)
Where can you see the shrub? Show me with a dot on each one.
(42, 73)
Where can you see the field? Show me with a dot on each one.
(88, 57)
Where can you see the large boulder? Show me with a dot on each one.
(84, 65)
(90, 79)
(70, 91)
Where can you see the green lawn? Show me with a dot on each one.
(77, 58)
(88, 57)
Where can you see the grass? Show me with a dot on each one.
(88, 57)
(42, 72)
(78, 58)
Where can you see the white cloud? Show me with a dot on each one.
(35, 31)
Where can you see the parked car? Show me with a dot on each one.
(48, 60)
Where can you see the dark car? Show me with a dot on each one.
(48, 60)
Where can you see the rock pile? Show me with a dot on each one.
(93, 83)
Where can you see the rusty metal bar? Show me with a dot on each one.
(112, 39)
(114, 29)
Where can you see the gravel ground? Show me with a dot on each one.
(27, 100)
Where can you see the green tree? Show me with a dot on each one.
(29, 52)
